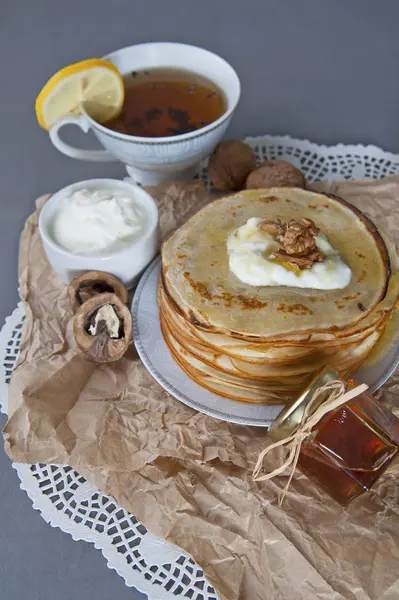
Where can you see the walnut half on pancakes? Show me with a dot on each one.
(298, 239)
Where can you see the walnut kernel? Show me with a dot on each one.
(298, 241)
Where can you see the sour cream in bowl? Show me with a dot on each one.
(100, 225)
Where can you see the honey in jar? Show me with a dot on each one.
(349, 448)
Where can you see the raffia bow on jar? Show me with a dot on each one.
(336, 434)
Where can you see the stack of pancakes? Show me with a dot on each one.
(263, 344)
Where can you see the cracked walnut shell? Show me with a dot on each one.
(96, 337)
(92, 283)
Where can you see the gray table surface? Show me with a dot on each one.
(326, 71)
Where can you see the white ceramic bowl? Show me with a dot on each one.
(152, 160)
(126, 264)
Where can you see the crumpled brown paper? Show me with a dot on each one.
(187, 476)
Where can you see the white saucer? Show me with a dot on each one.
(157, 359)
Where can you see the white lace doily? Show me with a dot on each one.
(66, 500)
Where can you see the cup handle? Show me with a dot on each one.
(79, 153)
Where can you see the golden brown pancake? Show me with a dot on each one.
(197, 274)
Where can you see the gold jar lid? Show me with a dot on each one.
(291, 417)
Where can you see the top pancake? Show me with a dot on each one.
(198, 279)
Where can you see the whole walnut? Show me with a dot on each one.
(275, 173)
(230, 164)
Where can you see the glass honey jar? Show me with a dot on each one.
(349, 447)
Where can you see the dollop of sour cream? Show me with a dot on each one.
(98, 221)
(251, 250)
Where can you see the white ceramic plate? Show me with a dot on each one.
(157, 359)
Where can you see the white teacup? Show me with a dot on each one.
(152, 160)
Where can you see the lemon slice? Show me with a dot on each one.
(94, 83)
